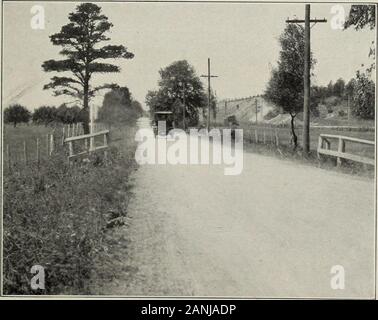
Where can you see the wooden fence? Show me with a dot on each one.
(31, 150)
(263, 135)
(34, 149)
(324, 147)
(87, 147)
(321, 143)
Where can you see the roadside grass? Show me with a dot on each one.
(285, 148)
(59, 215)
(285, 138)
(286, 152)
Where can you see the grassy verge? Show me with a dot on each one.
(58, 216)
(286, 152)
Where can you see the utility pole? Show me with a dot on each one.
(306, 75)
(208, 76)
(225, 108)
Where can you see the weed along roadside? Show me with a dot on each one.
(60, 216)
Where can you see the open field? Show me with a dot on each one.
(16, 137)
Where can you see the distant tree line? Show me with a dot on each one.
(44, 115)
(118, 108)
(359, 91)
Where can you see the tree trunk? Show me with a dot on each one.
(293, 135)
(86, 109)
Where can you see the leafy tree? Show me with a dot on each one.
(361, 16)
(81, 41)
(363, 88)
(330, 89)
(45, 115)
(137, 106)
(119, 107)
(339, 87)
(213, 104)
(177, 80)
(69, 115)
(318, 94)
(349, 88)
(363, 103)
(15, 114)
(285, 87)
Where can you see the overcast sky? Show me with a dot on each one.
(240, 39)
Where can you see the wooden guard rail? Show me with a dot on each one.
(324, 147)
(91, 148)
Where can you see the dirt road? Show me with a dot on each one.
(275, 230)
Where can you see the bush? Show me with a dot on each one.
(363, 103)
(44, 115)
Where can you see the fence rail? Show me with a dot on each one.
(91, 147)
(324, 147)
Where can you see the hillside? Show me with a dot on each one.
(333, 111)
(244, 109)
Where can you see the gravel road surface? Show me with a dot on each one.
(275, 230)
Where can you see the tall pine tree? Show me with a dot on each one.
(81, 41)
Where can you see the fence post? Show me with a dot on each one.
(70, 148)
(48, 143)
(8, 157)
(277, 138)
(63, 135)
(320, 145)
(37, 150)
(341, 149)
(105, 144)
(25, 154)
(256, 136)
(51, 144)
(91, 141)
(264, 136)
